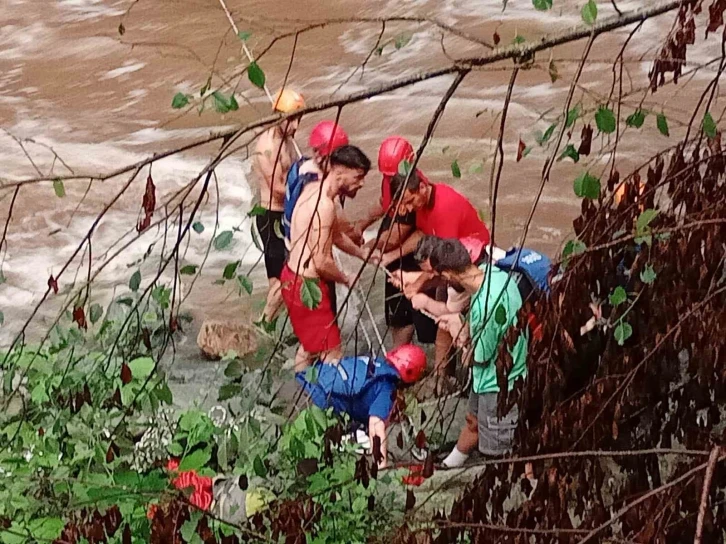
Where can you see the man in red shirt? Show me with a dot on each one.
(440, 211)
(402, 319)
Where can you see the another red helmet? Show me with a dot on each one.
(326, 137)
(473, 246)
(393, 150)
(409, 361)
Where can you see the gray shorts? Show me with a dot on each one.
(495, 435)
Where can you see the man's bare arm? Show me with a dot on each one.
(406, 248)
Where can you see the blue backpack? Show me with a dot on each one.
(294, 185)
(532, 267)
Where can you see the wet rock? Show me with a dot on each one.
(216, 338)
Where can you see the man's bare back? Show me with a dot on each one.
(274, 154)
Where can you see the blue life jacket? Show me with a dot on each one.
(533, 268)
(338, 385)
(295, 182)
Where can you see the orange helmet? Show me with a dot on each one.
(409, 361)
(288, 101)
(393, 150)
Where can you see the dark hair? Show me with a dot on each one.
(350, 156)
(426, 246)
(449, 256)
(398, 182)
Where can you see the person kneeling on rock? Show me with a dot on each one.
(364, 387)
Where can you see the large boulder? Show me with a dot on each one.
(216, 338)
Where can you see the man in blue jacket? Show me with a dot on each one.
(364, 388)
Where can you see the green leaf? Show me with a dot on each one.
(175, 449)
(188, 529)
(589, 12)
(95, 313)
(587, 186)
(404, 167)
(648, 275)
(3, 279)
(230, 270)
(455, 170)
(198, 227)
(39, 394)
(618, 296)
(636, 119)
(179, 101)
(662, 123)
(234, 369)
(223, 240)
(310, 293)
(195, 460)
(622, 332)
(500, 315)
(544, 138)
(644, 220)
(402, 40)
(2, 318)
(46, 528)
(229, 390)
(605, 120)
(518, 39)
(221, 104)
(570, 152)
(476, 167)
(233, 105)
(542, 5)
(163, 393)
(256, 210)
(59, 188)
(553, 72)
(142, 367)
(259, 467)
(572, 116)
(204, 89)
(188, 270)
(244, 35)
(244, 284)
(256, 75)
(311, 375)
(135, 281)
(709, 126)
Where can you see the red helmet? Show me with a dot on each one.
(393, 150)
(329, 136)
(473, 246)
(409, 361)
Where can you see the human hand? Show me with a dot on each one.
(356, 236)
(452, 324)
(419, 301)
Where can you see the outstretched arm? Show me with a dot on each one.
(377, 428)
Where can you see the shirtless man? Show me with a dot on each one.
(274, 154)
(310, 265)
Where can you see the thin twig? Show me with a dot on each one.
(712, 460)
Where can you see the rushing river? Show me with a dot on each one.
(101, 100)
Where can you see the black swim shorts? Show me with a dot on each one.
(274, 245)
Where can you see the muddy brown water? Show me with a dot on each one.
(101, 100)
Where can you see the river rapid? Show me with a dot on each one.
(70, 81)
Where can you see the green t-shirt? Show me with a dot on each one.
(487, 332)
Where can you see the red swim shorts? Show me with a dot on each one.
(316, 329)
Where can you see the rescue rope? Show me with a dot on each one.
(359, 291)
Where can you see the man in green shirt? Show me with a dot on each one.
(495, 302)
